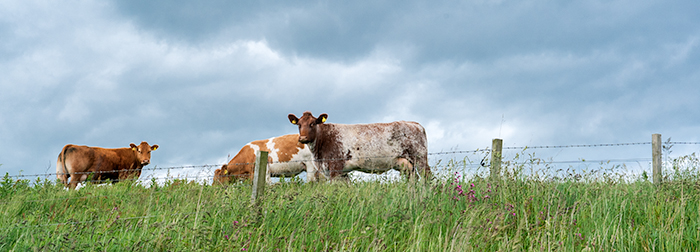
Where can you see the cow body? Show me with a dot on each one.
(76, 162)
(286, 158)
(375, 148)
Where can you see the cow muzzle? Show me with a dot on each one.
(304, 139)
(145, 162)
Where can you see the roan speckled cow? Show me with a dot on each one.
(375, 148)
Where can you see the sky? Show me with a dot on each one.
(201, 79)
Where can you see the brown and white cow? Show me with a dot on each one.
(375, 148)
(78, 161)
(286, 158)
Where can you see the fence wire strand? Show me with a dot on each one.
(485, 150)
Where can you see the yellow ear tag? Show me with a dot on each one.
(294, 121)
(134, 149)
(155, 148)
(323, 119)
(225, 171)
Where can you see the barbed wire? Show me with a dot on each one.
(591, 161)
(459, 152)
(485, 150)
(575, 146)
(682, 143)
(126, 170)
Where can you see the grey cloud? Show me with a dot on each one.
(202, 79)
(438, 31)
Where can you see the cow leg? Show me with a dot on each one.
(423, 168)
(268, 176)
(311, 174)
(75, 179)
(405, 167)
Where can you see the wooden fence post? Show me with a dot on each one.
(656, 158)
(259, 177)
(496, 155)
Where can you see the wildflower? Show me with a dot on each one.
(513, 214)
(472, 185)
(243, 249)
(235, 223)
(226, 236)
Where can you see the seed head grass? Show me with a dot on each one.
(527, 209)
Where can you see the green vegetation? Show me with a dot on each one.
(574, 212)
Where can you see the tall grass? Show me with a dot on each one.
(524, 211)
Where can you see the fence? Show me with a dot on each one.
(261, 164)
(495, 153)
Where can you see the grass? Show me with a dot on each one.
(453, 213)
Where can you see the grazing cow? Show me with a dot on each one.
(77, 162)
(286, 158)
(375, 148)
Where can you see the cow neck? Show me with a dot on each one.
(325, 135)
(131, 156)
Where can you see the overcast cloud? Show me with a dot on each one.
(201, 79)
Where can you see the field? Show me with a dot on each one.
(576, 212)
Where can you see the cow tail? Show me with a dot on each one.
(61, 170)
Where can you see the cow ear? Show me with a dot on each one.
(321, 118)
(133, 146)
(293, 119)
(154, 147)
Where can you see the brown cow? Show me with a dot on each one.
(375, 148)
(77, 162)
(286, 158)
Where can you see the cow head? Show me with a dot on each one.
(143, 152)
(308, 125)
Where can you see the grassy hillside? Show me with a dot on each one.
(574, 213)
